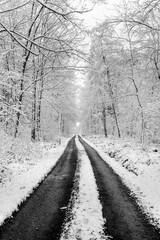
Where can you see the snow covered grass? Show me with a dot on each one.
(138, 169)
(86, 214)
(21, 171)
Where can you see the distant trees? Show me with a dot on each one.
(40, 45)
(103, 80)
(125, 72)
(38, 39)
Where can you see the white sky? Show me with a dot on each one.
(99, 13)
(91, 19)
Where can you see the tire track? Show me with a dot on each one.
(124, 219)
(84, 220)
(42, 215)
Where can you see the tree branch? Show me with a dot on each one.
(63, 14)
(12, 9)
(134, 22)
(21, 44)
(40, 46)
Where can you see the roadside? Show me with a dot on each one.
(124, 219)
(20, 175)
(138, 169)
(42, 215)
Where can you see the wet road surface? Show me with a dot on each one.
(41, 216)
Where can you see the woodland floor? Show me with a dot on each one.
(81, 198)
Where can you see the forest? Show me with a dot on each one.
(40, 45)
(80, 119)
(43, 53)
(123, 80)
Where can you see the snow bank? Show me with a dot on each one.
(138, 169)
(20, 178)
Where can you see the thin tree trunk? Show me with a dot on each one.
(141, 109)
(18, 114)
(33, 123)
(136, 89)
(104, 121)
(113, 104)
(157, 68)
(59, 127)
(116, 120)
(63, 126)
(39, 107)
(90, 122)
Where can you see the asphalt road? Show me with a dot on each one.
(42, 215)
(124, 219)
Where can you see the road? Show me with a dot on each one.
(42, 216)
(124, 219)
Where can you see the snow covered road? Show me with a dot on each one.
(85, 220)
(82, 198)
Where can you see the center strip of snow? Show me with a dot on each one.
(86, 221)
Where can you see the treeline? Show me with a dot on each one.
(123, 87)
(38, 45)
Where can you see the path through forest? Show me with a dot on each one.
(76, 202)
(124, 219)
(41, 216)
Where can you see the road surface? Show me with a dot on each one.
(124, 219)
(42, 216)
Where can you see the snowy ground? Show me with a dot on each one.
(85, 220)
(19, 177)
(138, 169)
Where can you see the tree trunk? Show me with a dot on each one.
(20, 99)
(104, 121)
(113, 104)
(136, 88)
(33, 123)
(157, 68)
(63, 126)
(39, 107)
(26, 56)
(116, 120)
(18, 114)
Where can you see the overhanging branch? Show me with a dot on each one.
(63, 14)
(21, 44)
(12, 9)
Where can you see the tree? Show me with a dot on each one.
(42, 40)
(125, 52)
(102, 77)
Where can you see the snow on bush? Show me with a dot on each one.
(15, 152)
(19, 152)
(129, 153)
